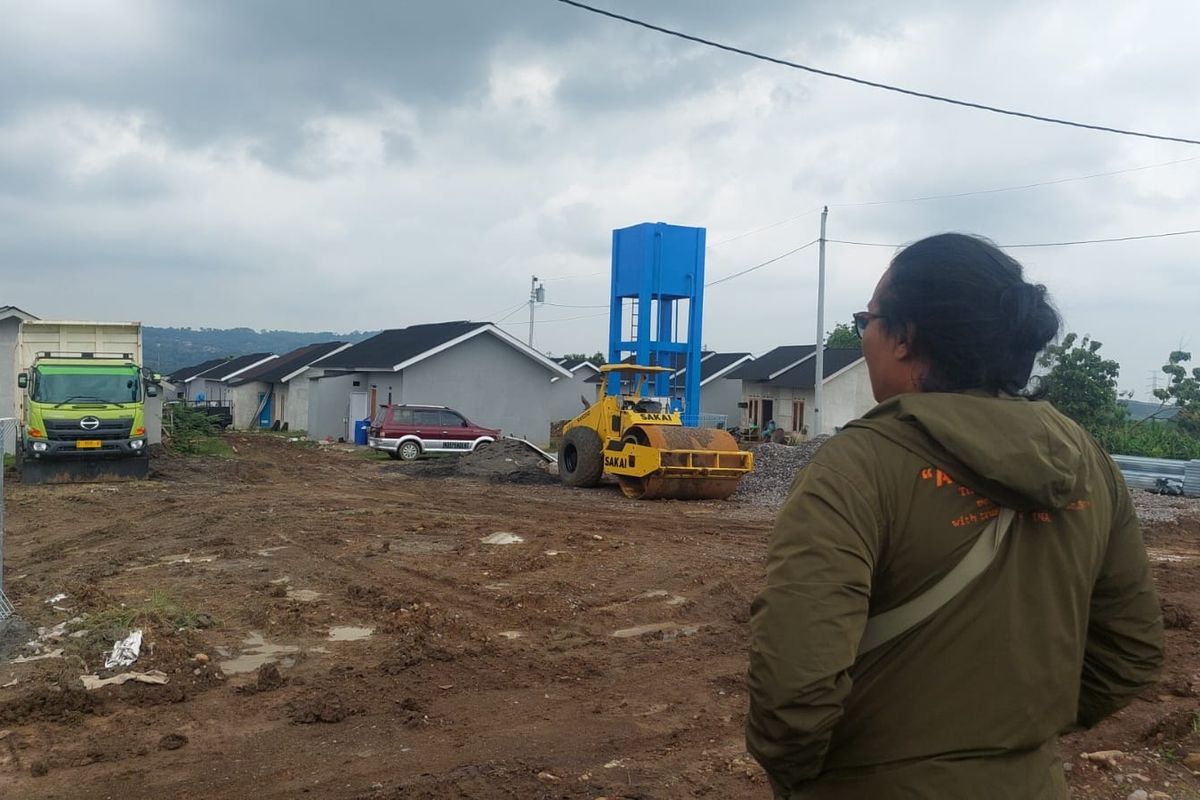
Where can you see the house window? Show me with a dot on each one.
(797, 415)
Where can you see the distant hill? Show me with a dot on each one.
(167, 349)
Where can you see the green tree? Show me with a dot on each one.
(1081, 383)
(595, 358)
(844, 336)
(1183, 391)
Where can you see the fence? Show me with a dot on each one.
(705, 420)
(1165, 475)
(6, 608)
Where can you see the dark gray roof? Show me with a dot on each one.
(187, 373)
(1140, 410)
(761, 368)
(716, 362)
(570, 364)
(277, 369)
(230, 366)
(801, 376)
(386, 349)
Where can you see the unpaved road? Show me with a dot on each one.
(602, 656)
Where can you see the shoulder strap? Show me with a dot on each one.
(884, 627)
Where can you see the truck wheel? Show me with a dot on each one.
(409, 451)
(580, 462)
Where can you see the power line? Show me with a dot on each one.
(507, 311)
(572, 277)
(763, 264)
(1043, 244)
(953, 195)
(562, 305)
(1018, 188)
(875, 84)
(769, 227)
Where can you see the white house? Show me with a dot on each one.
(276, 391)
(475, 368)
(10, 325)
(779, 386)
(567, 394)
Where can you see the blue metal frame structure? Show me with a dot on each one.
(656, 267)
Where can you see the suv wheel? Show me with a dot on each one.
(409, 451)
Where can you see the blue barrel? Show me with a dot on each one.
(360, 430)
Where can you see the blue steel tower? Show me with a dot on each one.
(657, 290)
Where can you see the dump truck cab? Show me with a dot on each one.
(642, 442)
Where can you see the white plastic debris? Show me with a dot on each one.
(125, 652)
(152, 677)
(58, 598)
(502, 537)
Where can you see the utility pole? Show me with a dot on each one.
(819, 366)
(537, 294)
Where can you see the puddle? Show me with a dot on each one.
(257, 651)
(669, 630)
(303, 595)
(349, 633)
(510, 634)
(496, 587)
(187, 558)
(502, 537)
(1172, 558)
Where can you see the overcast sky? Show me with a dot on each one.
(340, 166)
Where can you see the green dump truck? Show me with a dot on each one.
(83, 401)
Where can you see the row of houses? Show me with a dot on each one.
(497, 380)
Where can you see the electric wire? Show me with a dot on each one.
(1043, 244)
(875, 84)
(768, 262)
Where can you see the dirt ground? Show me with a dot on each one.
(332, 626)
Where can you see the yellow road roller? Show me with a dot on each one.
(644, 445)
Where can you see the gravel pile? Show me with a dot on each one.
(775, 467)
(1163, 508)
(504, 461)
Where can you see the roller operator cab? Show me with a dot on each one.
(642, 443)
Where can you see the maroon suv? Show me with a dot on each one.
(409, 431)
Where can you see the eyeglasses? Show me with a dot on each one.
(862, 319)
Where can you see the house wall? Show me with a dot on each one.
(295, 408)
(9, 407)
(488, 381)
(244, 399)
(847, 396)
(722, 396)
(564, 400)
(329, 404)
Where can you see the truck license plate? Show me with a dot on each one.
(86, 444)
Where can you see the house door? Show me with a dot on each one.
(797, 415)
(264, 409)
(768, 411)
(358, 410)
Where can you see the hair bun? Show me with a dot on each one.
(1032, 321)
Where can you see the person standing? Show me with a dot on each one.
(958, 577)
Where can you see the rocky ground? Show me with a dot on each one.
(336, 626)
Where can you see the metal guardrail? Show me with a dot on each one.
(1164, 475)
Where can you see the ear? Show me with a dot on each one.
(902, 344)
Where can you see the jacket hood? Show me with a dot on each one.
(1020, 453)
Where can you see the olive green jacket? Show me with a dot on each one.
(1062, 629)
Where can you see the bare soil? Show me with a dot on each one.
(333, 626)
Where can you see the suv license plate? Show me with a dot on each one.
(87, 444)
